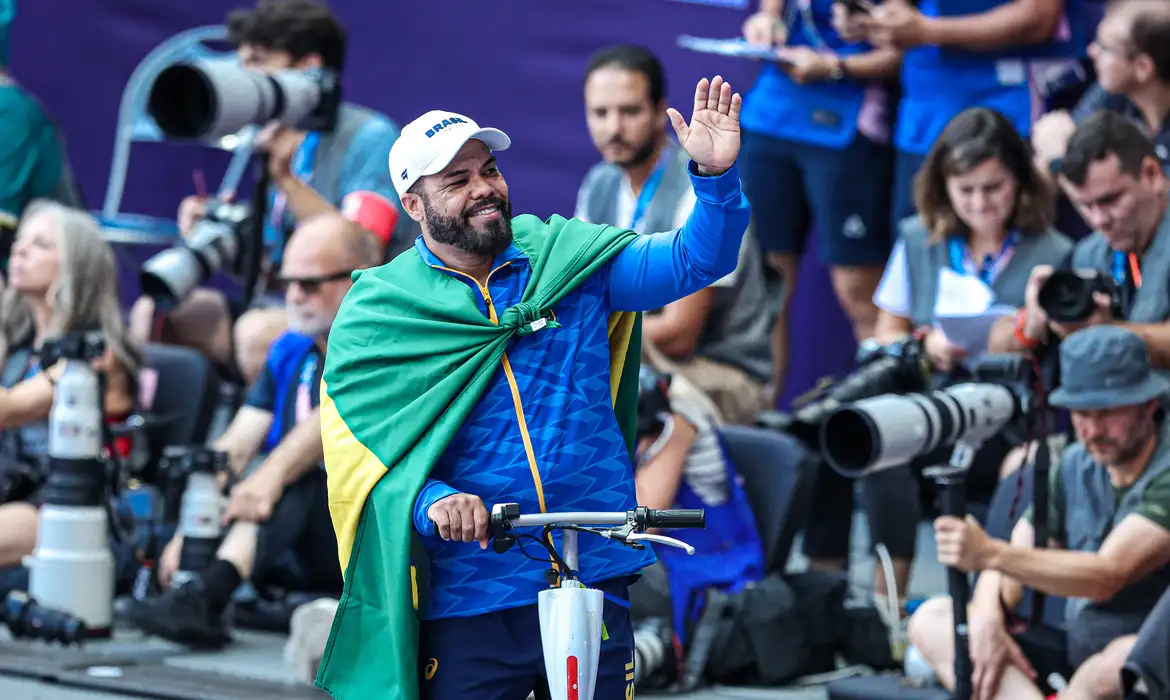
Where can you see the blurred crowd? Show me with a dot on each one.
(949, 157)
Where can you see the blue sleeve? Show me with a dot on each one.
(366, 167)
(432, 492)
(659, 268)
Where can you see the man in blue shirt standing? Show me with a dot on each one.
(960, 54)
(311, 174)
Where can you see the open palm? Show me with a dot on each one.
(712, 137)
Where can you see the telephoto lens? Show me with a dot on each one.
(72, 568)
(200, 513)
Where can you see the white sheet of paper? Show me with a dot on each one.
(971, 332)
(966, 310)
(961, 295)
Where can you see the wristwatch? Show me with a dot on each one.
(838, 70)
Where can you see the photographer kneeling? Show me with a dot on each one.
(62, 278)
(681, 463)
(1109, 512)
(985, 217)
(311, 172)
(280, 509)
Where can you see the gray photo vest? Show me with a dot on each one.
(925, 260)
(1151, 304)
(329, 161)
(739, 327)
(27, 443)
(1091, 511)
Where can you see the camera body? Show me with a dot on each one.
(896, 368)
(1067, 296)
(213, 246)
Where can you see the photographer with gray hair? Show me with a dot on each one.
(1109, 553)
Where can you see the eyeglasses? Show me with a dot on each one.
(312, 284)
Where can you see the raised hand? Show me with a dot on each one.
(712, 137)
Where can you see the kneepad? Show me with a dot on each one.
(882, 688)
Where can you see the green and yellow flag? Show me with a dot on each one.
(409, 356)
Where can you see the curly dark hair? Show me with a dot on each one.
(300, 27)
(972, 138)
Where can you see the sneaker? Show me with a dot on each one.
(183, 616)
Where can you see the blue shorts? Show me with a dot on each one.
(906, 166)
(498, 655)
(843, 194)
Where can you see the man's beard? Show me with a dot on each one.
(458, 232)
(643, 154)
(312, 325)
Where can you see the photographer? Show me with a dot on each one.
(1113, 176)
(280, 508)
(1109, 554)
(63, 279)
(311, 174)
(985, 216)
(681, 463)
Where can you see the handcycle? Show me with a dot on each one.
(571, 613)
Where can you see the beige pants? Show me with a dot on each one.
(732, 392)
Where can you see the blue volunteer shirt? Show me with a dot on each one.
(557, 439)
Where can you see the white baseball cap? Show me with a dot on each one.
(429, 143)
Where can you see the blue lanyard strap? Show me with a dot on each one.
(988, 268)
(646, 196)
(302, 169)
(1119, 271)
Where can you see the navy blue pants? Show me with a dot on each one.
(497, 655)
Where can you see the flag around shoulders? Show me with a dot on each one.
(409, 356)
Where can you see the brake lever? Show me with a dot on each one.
(636, 537)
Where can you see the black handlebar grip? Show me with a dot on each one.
(677, 518)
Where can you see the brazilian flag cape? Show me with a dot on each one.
(410, 354)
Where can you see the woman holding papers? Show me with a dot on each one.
(984, 220)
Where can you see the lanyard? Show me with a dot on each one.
(302, 169)
(989, 267)
(646, 196)
(1119, 272)
(305, 388)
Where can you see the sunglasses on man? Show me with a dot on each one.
(312, 284)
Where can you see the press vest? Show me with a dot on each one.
(739, 325)
(328, 160)
(286, 360)
(823, 113)
(925, 260)
(29, 442)
(1151, 303)
(1091, 512)
(728, 552)
(940, 82)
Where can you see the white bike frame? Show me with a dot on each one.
(571, 615)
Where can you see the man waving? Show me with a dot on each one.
(496, 363)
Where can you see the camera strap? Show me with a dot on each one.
(302, 169)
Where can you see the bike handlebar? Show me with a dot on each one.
(507, 515)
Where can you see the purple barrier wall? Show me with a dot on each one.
(515, 64)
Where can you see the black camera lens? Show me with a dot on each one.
(1067, 296)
